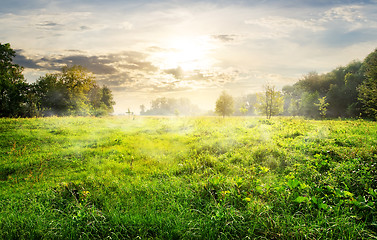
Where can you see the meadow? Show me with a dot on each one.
(187, 178)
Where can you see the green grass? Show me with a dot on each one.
(187, 178)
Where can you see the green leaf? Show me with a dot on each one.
(293, 183)
(373, 192)
(323, 206)
(301, 199)
(348, 194)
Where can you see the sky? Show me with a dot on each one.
(191, 49)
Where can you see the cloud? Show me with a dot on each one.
(270, 36)
(48, 24)
(280, 26)
(225, 37)
(349, 14)
(176, 72)
(24, 61)
(100, 64)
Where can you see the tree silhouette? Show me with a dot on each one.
(224, 105)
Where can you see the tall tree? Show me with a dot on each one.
(107, 100)
(270, 102)
(78, 82)
(52, 94)
(224, 104)
(368, 89)
(13, 87)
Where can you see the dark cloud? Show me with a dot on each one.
(128, 70)
(131, 60)
(96, 64)
(48, 24)
(100, 65)
(84, 28)
(22, 60)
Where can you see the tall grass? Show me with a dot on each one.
(187, 178)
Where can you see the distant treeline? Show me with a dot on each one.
(171, 106)
(71, 92)
(347, 92)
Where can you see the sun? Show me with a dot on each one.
(188, 53)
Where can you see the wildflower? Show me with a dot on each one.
(85, 193)
(223, 193)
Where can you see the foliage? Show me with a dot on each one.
(72, 92)
(187, 178)
(270, 102)
(244, 106)
(340, 87)
(224, 105)
(13, 87)
(322, 106)
(368, 89)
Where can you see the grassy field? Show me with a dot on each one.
(187, 178)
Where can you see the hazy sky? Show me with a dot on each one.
(195, 49)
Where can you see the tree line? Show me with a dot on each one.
(348, 92)
(170, 106)
(73, 91)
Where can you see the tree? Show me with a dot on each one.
(170, 106)
(13, 87)
(244, 105)
(322, 106)
(101, 101)
(72, 92)
(142, 109)
(308, 104)
(270, 102)
(244, 109)
(78, 82)
(107, 100)
(368, 89)
(52, 95)
(224, 105)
